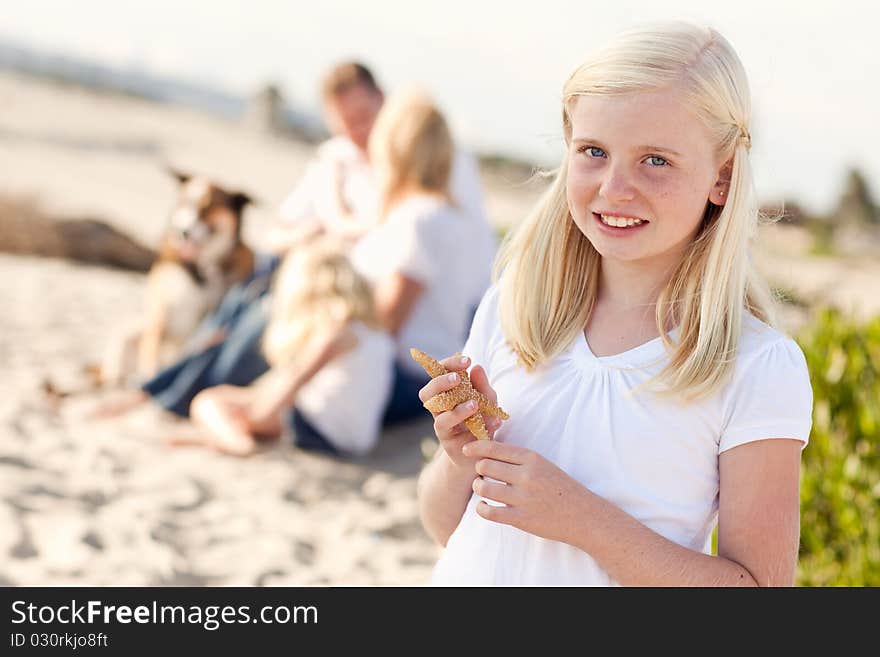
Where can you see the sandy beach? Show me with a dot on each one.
(106, 502)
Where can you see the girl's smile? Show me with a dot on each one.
(619, 224)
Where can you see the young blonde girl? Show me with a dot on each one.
(630, 340)
(330, 364)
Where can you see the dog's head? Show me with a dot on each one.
(206, 220)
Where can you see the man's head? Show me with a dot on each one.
(352, 100)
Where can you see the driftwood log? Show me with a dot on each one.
(25, 229)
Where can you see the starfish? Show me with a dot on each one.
(463, 392)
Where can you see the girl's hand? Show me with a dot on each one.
(540, 498)
(448, 426)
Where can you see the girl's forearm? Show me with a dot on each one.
(634, 555)
(278, 390)
(444, 490)
(272, 396)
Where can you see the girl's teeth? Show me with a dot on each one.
(621, 222)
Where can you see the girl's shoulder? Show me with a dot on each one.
(758, 340)
(770, 393)
(768, 363)
(423, 209)
(485, 332)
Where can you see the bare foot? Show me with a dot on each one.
(117, 404)
(233, 445)
(187, 437)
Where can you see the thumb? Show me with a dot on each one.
(481, 382)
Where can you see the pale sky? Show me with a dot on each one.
(497, 67)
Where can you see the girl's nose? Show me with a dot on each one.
(617, 185)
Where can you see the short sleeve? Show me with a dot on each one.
(485, 321)
(414, 256)
(771, 397)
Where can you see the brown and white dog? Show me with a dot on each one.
(200, 257)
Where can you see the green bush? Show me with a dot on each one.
(840, 484)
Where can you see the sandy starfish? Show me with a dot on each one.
(464, 391)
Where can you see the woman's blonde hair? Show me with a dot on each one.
(548, 271)
(315, 291)
(410, 149)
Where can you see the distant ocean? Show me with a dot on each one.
(136, 82)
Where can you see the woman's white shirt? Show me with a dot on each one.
(345, 400)
(657, 460)
(429, 241)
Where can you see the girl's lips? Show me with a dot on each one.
(616, 230)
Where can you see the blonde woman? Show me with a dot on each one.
(330, 365)
(429, 262)
(630, 340)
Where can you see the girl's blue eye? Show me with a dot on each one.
(657, 161)
(591, 151)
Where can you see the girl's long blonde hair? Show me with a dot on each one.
(548, 271)
(411, 149)
(316, 290)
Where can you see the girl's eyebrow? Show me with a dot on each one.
(653, 149)
(661, 149)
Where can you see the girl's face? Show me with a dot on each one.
(644, 163)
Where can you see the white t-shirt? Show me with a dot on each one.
(315, 195)
(654, 459)
(429, 241)
(345, 400)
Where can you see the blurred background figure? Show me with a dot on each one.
(330, 365)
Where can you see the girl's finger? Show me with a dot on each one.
(459, 429)
(492, 449)
(437, 385)
(499, 470)
(495, 491)
(456, 362)
(481, 382)
(445, 422)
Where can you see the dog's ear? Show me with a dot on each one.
(239, 200)
(181, 177)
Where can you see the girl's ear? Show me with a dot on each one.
(721, 189)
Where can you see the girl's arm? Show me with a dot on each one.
(758, 528)
(445, 484)
(444, 490)
(276, 391)
(395, 297)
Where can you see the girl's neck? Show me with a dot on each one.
(624, 315)
(631, 287)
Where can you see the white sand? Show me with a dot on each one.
(106, 502)
(88, 502)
